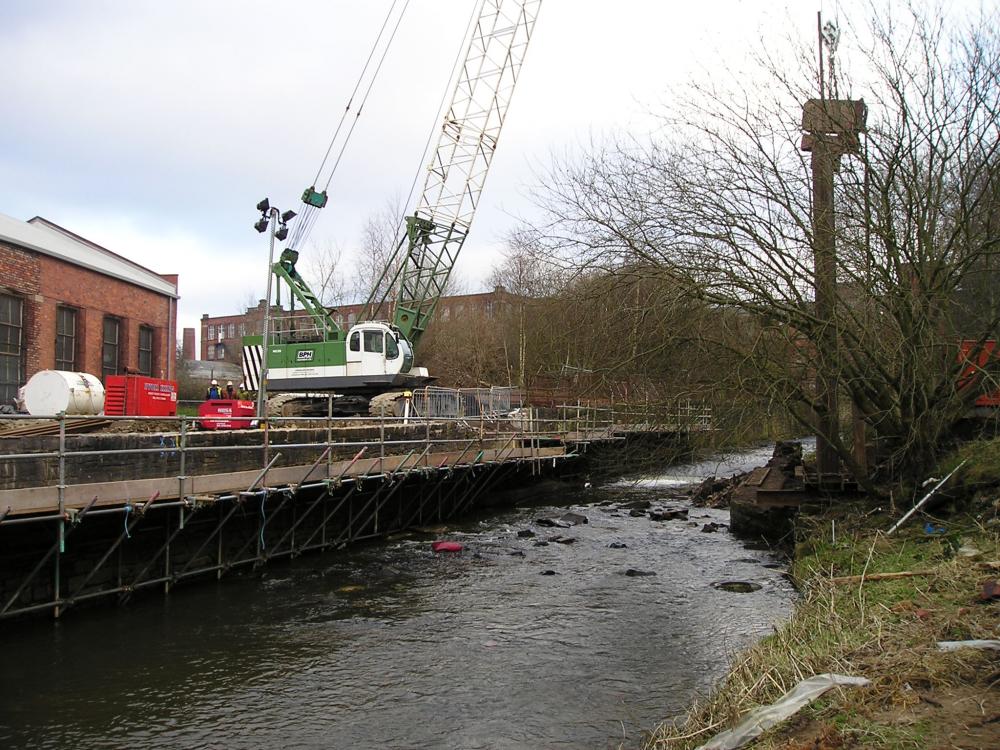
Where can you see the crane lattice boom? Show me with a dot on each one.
(434, 234)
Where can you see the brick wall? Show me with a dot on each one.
(20, 274)
(46, 283)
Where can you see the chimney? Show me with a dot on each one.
(187, 346)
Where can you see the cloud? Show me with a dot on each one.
(154, 128)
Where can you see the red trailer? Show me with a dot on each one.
(139, 396)
(226, 414)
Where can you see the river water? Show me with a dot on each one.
(392, 646)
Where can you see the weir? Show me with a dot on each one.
(87, 517)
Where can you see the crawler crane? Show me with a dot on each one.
(374, 359)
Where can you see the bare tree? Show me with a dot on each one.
(521, 276)
(377, 259)
(464, 350)
(325, 273)
(722, 204)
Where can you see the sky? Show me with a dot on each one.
(153, 128)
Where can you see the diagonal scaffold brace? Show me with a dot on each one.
(41, 564)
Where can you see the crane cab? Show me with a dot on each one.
(373, 357)
(375, 348)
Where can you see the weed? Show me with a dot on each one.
(885, 630)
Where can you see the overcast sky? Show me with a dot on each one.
(153, 128)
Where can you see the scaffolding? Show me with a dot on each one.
(165, 512)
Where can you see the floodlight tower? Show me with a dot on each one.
(278, 221)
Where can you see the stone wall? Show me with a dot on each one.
(213, 452)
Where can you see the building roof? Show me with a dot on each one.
(50, 239)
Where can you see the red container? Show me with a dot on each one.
(223, 414)
(139, 396)
(978, 358)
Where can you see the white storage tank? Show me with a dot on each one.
(49, 392)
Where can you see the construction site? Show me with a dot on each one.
(675, 428)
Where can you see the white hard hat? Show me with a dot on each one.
(214, 381)
(229, 382)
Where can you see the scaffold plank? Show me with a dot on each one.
(31, 500)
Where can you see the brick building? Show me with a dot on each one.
(69, 304)
(222, 336)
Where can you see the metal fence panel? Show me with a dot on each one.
(433, 401)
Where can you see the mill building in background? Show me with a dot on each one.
(222, 335)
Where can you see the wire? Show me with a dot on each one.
(357, 85)
(364, 99)
(263, 520)
(311, 213)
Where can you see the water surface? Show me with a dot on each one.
(392, 646)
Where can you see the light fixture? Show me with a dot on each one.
(261, 225)
(281, 233)
(288, 216)
(264, 205)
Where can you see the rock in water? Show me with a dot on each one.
(737, 587)
(638, 504)
(633, 573)
(669, 514)
(574, 519)
(550, 522)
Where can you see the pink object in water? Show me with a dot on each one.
(446, 546)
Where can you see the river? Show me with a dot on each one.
(505, 645)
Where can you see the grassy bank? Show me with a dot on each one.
(852, 621)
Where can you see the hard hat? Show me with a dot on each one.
(229, 382)
(214, 381)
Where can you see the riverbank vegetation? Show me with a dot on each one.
(680, 263)
(876, 606)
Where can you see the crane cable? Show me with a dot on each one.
(310, 213)
(391, 272)
(354, 93)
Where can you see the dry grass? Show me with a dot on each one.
(883, 630)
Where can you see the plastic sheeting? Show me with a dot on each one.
(765, 717)
(955, 645)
